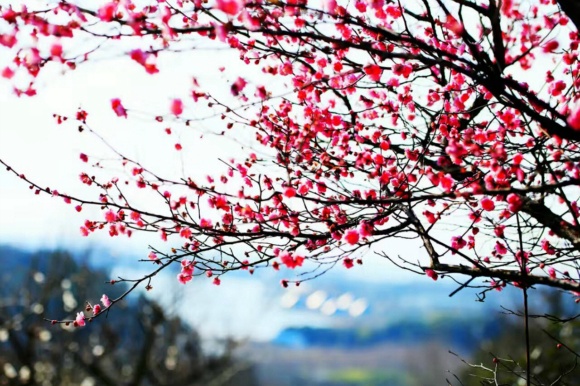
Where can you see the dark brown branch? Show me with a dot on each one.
(507, 275)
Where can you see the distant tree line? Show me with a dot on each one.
(138, 344)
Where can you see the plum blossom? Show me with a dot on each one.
(432, 274)
(176, 107)
(351, 236)
(80, 319)
(118, 108)
(111, 216)
(374, 72)
(347, 262)
(574, 117)
(105, 301)
(454, 25)
(107, 11)
(186, 273)
(291, 261)
(230, 7)
(487, 204)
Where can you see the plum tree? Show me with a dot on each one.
(451, 123)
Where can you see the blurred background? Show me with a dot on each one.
(336, 330)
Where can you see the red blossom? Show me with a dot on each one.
(432, 274)
(550, 46)
(118, 108)
(351, 236)
(514, 201)
(348, 263)
(238, 86)
(487, 204)
(80, 320)
(230, 7)
(176, 107)
(290, 192)
(374, 72)
(105, 301)
(111, 216)
(290, 260)
(107, 11)
(403, 69)
(454, 25)
(7, 73)
(574, 117)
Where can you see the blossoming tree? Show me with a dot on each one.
(452, 123)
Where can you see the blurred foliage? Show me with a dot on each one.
(136, 343)
(554, 348)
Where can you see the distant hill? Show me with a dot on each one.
(462, 335)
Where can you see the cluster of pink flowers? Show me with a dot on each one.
(186, 273)
(80, 320)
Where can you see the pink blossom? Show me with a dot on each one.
(56, 50)
(8, 40)
(80, 319)
(139, 56)
(402, 69)
(105, 301)
(446, 182)
(145, 59)
(374, 72)
(432, 274)
(111, 216)
(238, 86)
(500, 248)
(96, 309)
(118, 108)
(183, 278)
(176, 107)
(205, 223)
(347, 262)
(574, 117)
(185, 233)
(290, 192)
(291, 261)
(230, 7)
(454, 25)
(7, 73)
(487, 204)
(107, 11)
(551, 46)
(186, 273)
(351, 236)
(514, 201)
